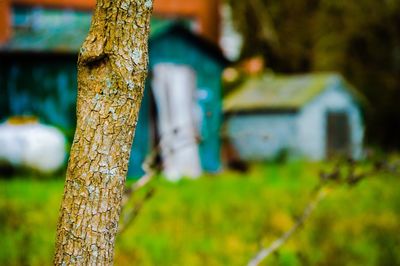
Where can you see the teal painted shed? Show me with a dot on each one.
(174, 43)
(38, 76)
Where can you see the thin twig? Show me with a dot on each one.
(265, 252)
(351, 178)
(150, 169)
(151, 166)
(129, 217)
(268, 30)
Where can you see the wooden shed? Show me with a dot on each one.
(313, 116)
(38, 75)
(173, 43)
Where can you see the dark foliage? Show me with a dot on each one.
(360, 39)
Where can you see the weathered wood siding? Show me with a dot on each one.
(312, 119)
(262, 136)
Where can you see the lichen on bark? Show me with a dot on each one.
(112, 69)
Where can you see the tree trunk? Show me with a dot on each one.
(112, 69)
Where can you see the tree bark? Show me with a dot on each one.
(112, 69)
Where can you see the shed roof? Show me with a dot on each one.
(178, 28)
(47, 30)
(63, 31)
(272, 92)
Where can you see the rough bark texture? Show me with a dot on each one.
(112, 68)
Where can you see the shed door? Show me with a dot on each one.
(338, 134)
(174, 89)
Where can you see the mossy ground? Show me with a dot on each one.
(222, 219)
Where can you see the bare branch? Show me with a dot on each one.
(130, 216)
(265, 252)
(350, 177)
(268, 31)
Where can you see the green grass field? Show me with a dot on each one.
(222, 220)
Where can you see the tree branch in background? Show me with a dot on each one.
(151, 166)
(268, 31)
(265, 252)
(342, 174)
(132, 213)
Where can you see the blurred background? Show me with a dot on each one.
(251, 107)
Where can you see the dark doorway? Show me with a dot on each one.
(338, 134)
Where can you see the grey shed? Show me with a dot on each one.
(313, 116)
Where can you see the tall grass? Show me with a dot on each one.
(222, 220)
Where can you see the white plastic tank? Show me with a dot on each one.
(25, 143)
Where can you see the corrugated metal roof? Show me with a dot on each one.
(48, 30)
(59, 31)
(280, 92)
